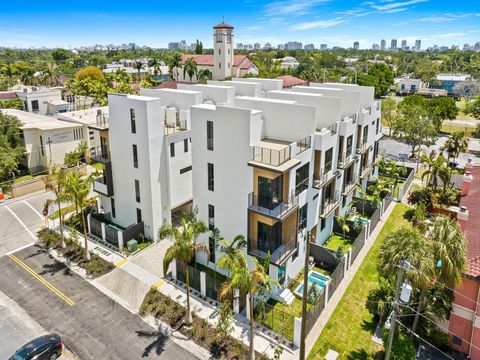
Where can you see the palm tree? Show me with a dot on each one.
(435, 164)
(155, 64)
(77, 189)
(139, 65)
(231, 251)
(342, 222)
(215, 235)
(190, 68)
(175, 64)
(363, 195)
(204, 74)
(381, 186)
(455, 144)
(55, 182)
(184, 247)
(449, 248)
(408, 243)
(249, 282)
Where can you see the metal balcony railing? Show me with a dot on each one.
(179, 126)
(100, 154)
(349, 184)
(343, 161)
(270, 156)
(277, 255)
(329, 203)
(303, 144)
(361, 147)
(271, 206)
(321, 177)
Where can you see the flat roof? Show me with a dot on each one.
(57, 102)
(40, 122)
(87, 116)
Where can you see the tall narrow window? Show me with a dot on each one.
(139, 216)
(135, 156)
(209, 135)
(41, 146)
(328, 160)
(211, 179)
(185, 145)
(302, 178)
(137, 191)
(112, 205)
(211, 217)
(302, 217)
(133, 125)
(211, 248)
(172, 149)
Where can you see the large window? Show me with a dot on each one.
(135, 156)
(133, 124)
(42, 150)
(269, 192)
(211, 248)
(211, 177)
(328, 160)
(365, 134)
(137, 191)
(302, 178)
(302, 217)
(377, 125)
(185, 169)
(209, 135)
(349, 145)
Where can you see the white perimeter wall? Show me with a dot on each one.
(242, 88)
(180, 99)
(266, 84)
(219, 95)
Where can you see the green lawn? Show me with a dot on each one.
(337, 240)
(351, 326)
(450, 128)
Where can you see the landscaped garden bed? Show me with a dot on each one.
(336, 241)
(200, 331)
(74, 252)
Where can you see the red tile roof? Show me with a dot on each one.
(8, 95)
(207, 60)
(472, 226)
(289, 81)
(169, 84)
(223, 25)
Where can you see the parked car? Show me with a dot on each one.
(47, 347)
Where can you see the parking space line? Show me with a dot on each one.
(21, 223)
(42, 280)
(34, 210)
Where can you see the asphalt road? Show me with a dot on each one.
(94, 326)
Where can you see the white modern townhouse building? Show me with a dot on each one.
(276, 164)
(42, 100)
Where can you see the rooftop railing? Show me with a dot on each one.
(304, 144)
(270, 156)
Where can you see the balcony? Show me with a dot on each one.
(366, 170)
(175, 127)
(344, 161)
(277, 255)
(361, 147)
(304, 144)
(319, 179)
(102, 186)
(329, 204)
(272, 157)
(349, 184)
(271, 207)
(100, 154)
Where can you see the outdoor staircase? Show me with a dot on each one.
(287, 296)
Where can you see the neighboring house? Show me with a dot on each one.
(289, 62)
(8, 96)
(223, 63)
(448, 81)
(409, 86)
(290, 81)
(43, 101)
(464, 324)
(46, 139)
(95, 123)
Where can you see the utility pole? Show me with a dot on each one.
(393, 323)
(304, 299)
(49, 142)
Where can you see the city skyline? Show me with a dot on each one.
(434, 23)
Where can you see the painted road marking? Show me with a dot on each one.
(42, 280)
(21, 223)
(159, 283)
(34, 210)
(20, 248)
(121, 262)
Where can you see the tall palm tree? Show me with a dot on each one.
(155, 64)
(139, 65)
(184, 247)
(55, 182)
(190, 68)
(407, 243)
(204, 74)
(249, 282)
(216, 237)
(231, 250)
(175, 64)
(435, 164)
(381, 186)
(363, 195)
(77, 189)
(455, 144)
(449, 249)
(342, 222)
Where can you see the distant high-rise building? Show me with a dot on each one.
(323, 46)
(466, 47)
(256, 46)
(375, 47)
(309, 47)
(393, 44)
(239, 46)
(267, 46)
(476, 47)
(132, 46)
(174, 45)
(404, 44)
(418, 45)
(356, 45)
(281, 46)
(293, 45)
(383, 44)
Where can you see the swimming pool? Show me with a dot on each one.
(313, 277)
(359, 219)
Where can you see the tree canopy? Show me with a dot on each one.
(378, 75)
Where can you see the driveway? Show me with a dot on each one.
(151, 259)
(91, 324)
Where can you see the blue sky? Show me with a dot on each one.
(86, 22)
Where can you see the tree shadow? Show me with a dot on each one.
(408, 215)
(359, 355)
(54, 268)
(39, 251)
(159, 338)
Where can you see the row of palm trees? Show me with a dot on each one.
(73, 187)
(248, 279)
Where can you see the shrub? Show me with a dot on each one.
(313, 293)
(49, 237)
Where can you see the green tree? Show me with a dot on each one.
(342, 222)
(11, 151)
(455, 144)
(441, 109)
(204, 74)
(77, 188)
(435, 165)
(199, 47)
(139, 65)
(60, 54)
(184, 247)
(190, 68)
(378, 75)
(55, 182)
(174, 64)
(426, 70)
(90, 72)
(231, 250)
(473, 108)
(249, 282)
(155, 64)
(390, 114)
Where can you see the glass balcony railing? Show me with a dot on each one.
(277, 254)
(272, 206)
(270, 156)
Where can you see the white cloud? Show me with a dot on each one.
(447, 17)
(393, 5)
(290, 7)
(320, 24)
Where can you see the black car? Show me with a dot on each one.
(47, 347)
